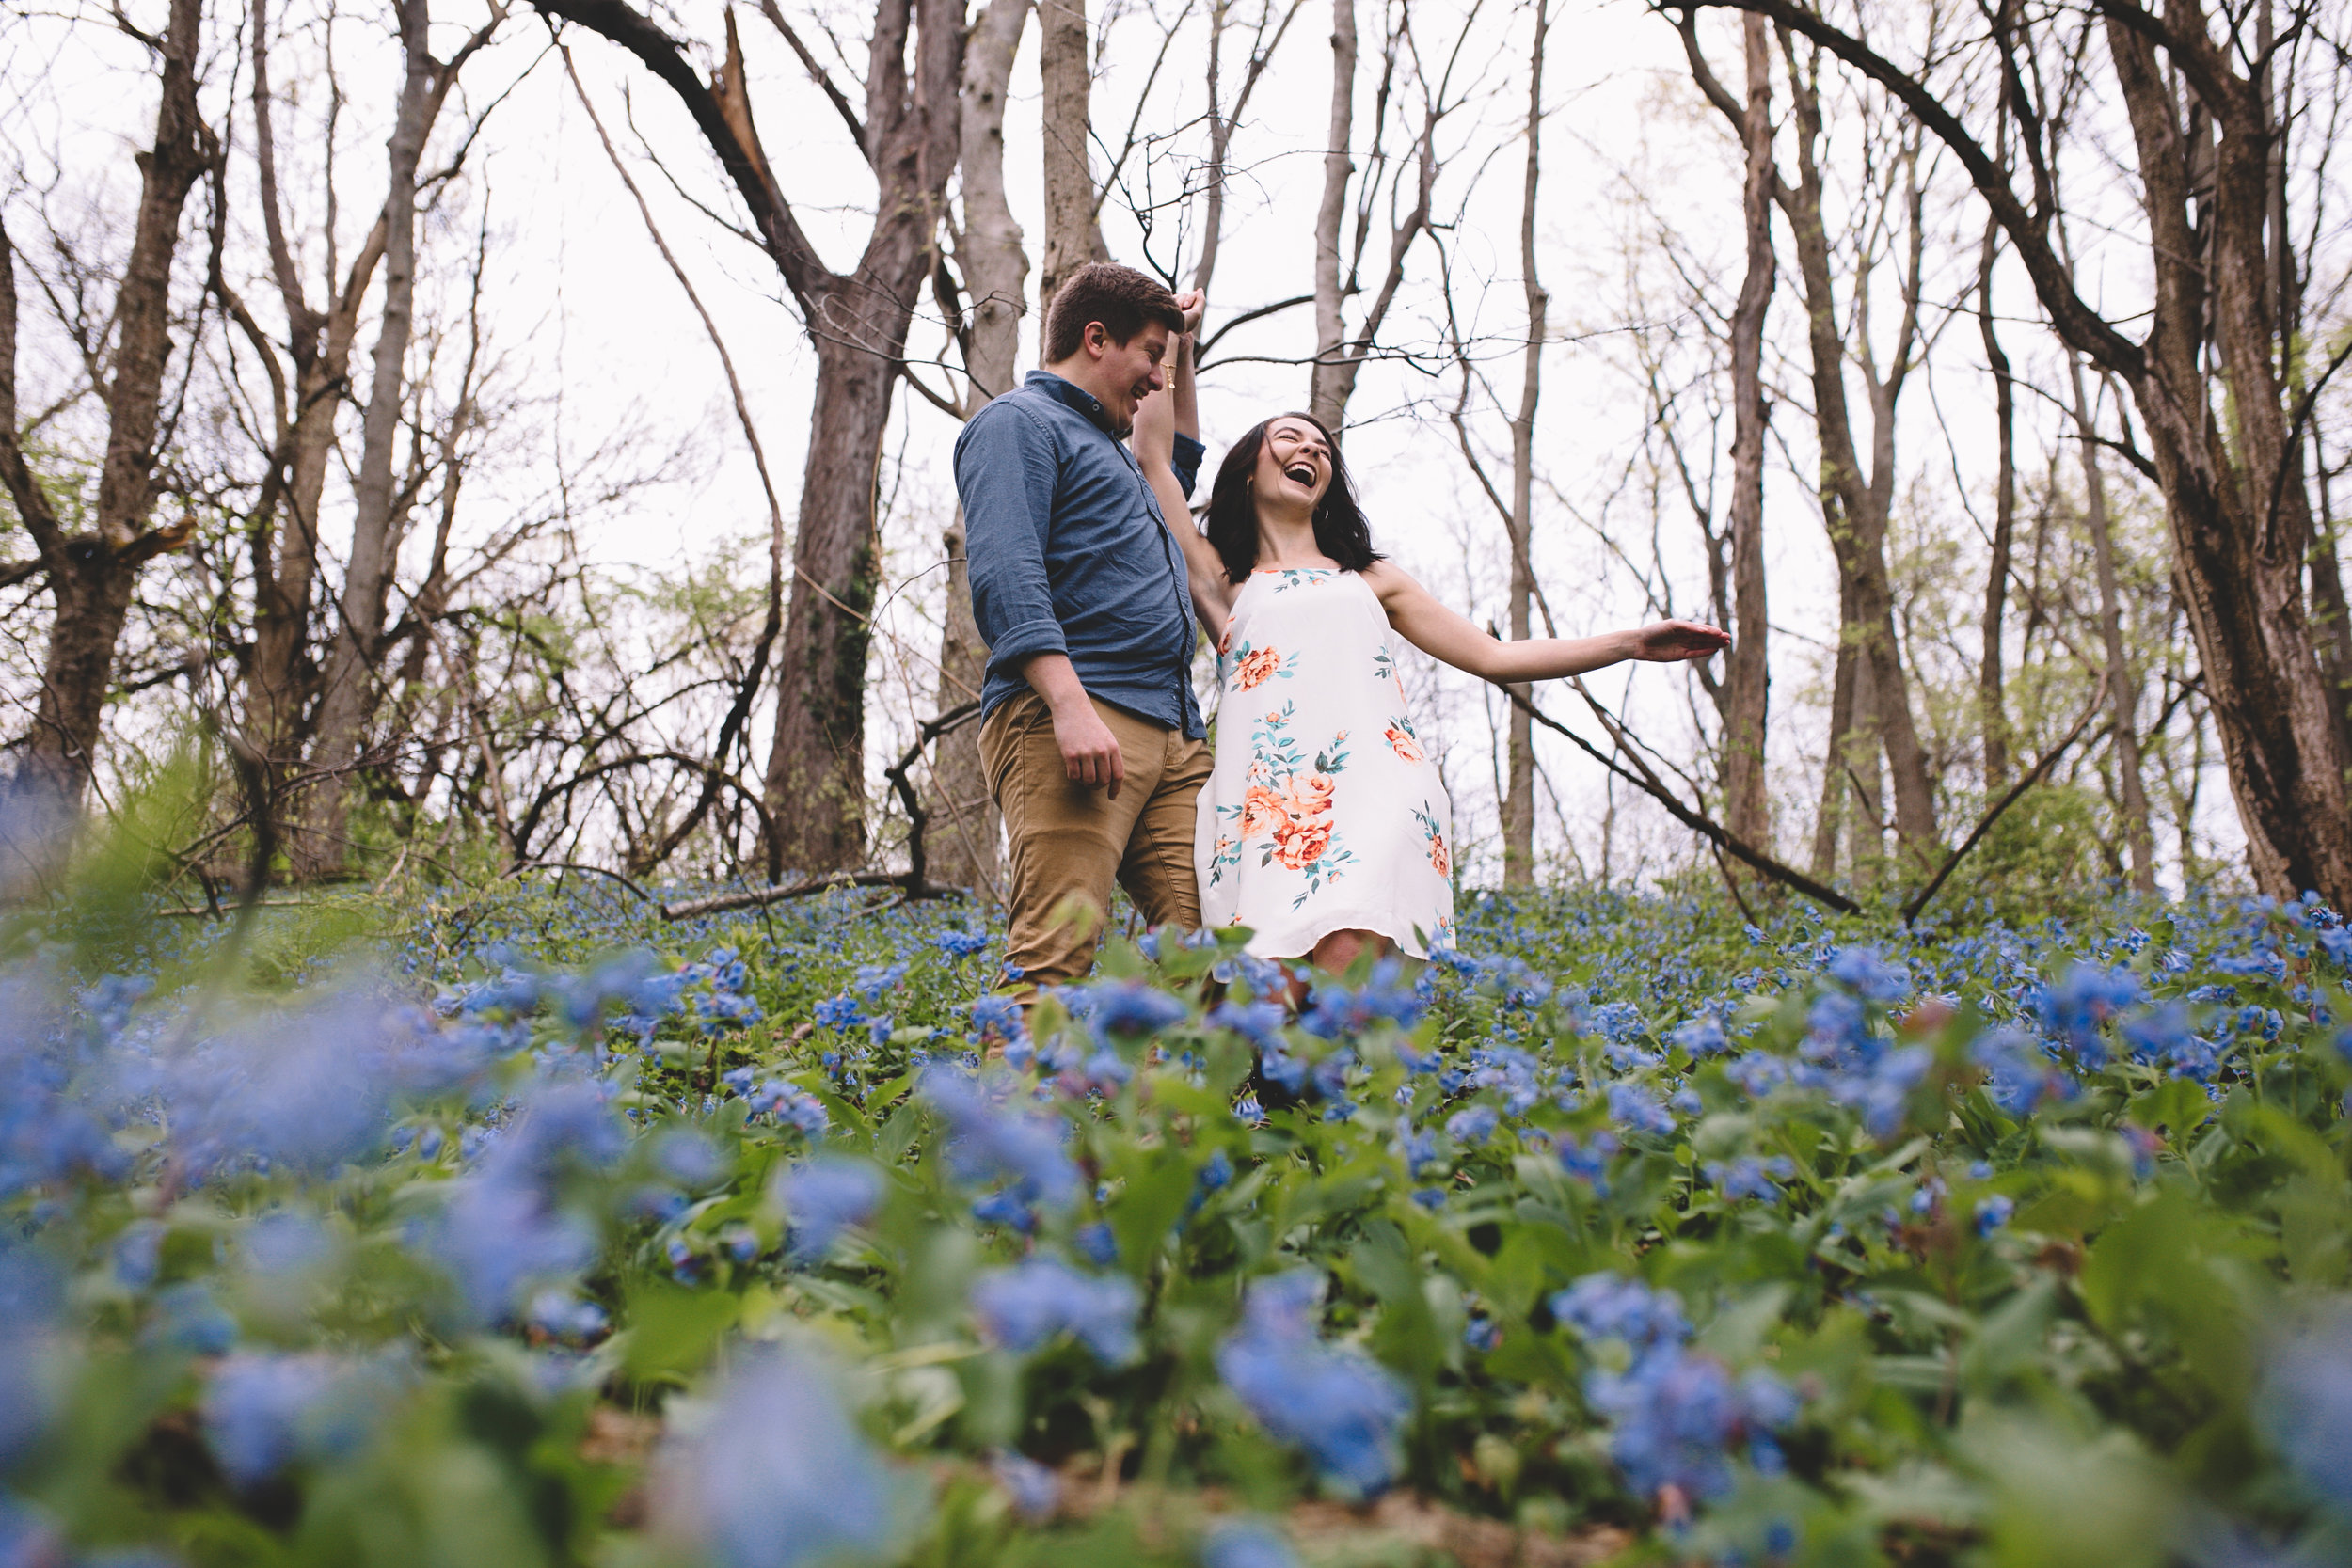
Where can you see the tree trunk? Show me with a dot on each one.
(964, 849)
(1855, 506)
(1747, 809)
(1830, 819)
(2123, 680)
(1519, 800)
(319, 844)
(1993, 712)
(858, 322)
(92, 576)
(1326, 399)
(2329, 611)
(2236, 506)
(2241, 532)
(1074, 233)
(281, 676)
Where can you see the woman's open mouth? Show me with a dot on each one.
(1304, 473)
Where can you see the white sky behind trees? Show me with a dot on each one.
(612, 378)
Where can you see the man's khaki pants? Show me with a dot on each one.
(1069, 842)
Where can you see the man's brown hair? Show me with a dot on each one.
(1121, 298)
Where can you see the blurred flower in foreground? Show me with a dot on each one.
(1026, 1305)
(30, 1294)
(1246, 1543)
(507, 1227)
(1676, 1414)
(989, 1141)
(824, 1197)
(1034, 1491)
(775, 1474)
(263, 1410)
(2306, 1404)
(1341, 1406)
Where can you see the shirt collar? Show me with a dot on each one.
(1070, 394)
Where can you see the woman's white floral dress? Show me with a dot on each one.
(1324, 813)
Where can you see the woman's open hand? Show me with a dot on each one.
(1665, 641)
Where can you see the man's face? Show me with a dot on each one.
(1125, 373)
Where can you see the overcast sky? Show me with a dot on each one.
(594, 324)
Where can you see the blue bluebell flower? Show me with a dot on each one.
(1342, 1409)
(960, 945)
(988, 1141)
(1336, 1012)
(1034, 1491)
(1702, 1037)
(777, 1476)
(1749, 1176)
(824, 1197)
(2305, 1407)
(1097, 1243)
(1637, 1110)
(31, 1295)
(1028, 1304)
(2076, 1008)
(1473, 1126)
(262, 1410)
(1866, 972)
(1245, 1543)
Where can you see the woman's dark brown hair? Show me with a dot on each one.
(1339, 531)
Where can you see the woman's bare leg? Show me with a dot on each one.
(1339, 949)
(1332, 954)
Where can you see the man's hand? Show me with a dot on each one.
(1090, 753)
(1665, 641)
(1192, 302)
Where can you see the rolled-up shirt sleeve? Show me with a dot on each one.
(1185, 461)
(1005, 476)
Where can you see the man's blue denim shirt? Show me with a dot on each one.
(1068, 553)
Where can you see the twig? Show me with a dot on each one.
(1984, 824)
(1698, 822)
(913, 882)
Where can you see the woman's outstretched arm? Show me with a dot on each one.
(1159, 420)
(1441, 633)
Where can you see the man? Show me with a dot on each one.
(1090, 735)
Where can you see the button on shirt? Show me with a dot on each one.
(1068, 553)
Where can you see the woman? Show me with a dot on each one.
(1324, 827)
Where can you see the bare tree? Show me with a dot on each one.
(1993, 708)
(2207, 152)
(1074, 234)
(989, 254)
(1519, 800)
(92, 574)
(1746, 693)
(1871, 698)
(1267, 37)
(2123, 679)
(858, 323)
(283, 677)
(1340, 252)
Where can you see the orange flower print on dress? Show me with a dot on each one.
(1404, 743)
(1257, 667)
(1299, 844)
(1262, 812)
(1310, 794)
(1439, 860)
